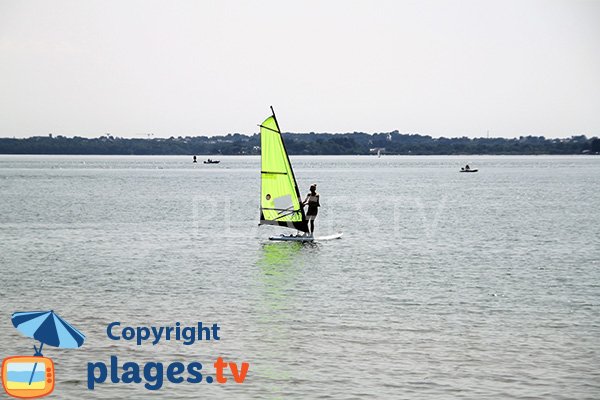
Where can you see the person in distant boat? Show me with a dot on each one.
(467, 168)
(312, 200)
(195, 159)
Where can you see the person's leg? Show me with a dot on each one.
(312, 226)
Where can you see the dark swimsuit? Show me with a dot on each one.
(313, 206)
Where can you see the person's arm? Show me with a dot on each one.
(305, 200)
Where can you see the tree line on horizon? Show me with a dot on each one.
(356, 143)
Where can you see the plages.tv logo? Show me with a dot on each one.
(28, 377)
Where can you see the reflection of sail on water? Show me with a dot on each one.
(280, 197)
(279, 267)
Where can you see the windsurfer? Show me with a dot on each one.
(312, 200)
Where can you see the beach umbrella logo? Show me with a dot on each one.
(33, 376)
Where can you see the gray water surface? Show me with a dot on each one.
(444, 285)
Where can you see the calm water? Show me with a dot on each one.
(445, 285)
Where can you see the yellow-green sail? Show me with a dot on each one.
(279, 197)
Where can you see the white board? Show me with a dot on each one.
(301, 238)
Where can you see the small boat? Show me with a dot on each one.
(209, 161)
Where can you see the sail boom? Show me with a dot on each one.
(271, 172)
(279, 209)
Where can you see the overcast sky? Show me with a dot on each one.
(443, 68)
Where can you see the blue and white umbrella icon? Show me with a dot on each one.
(48, 328)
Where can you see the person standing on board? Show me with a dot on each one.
(312, 200)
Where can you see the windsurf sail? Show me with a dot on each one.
(279, 197)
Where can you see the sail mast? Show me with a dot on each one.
(290, 163)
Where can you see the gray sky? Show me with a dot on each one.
(443, 68)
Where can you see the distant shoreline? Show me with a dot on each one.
(357, 143)
(200, 156)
